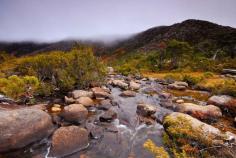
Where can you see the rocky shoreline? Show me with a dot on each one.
(112, 120)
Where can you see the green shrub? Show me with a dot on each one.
(208, 74)
(17, 87)
(77, 68)
(191, 80)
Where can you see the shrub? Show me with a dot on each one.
(17, 87)
(159, 152)
(208, 74)
(77, 68)
(191, 80)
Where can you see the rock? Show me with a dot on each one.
(165, 95)
(21, 127)
(55, 109)
(81, 93)
(120, 83)
(161, 113)
(95, 131)
(105, 104)
(128, 94)
(110, 70)
(100, 93)
(235, 121)
(146, 110)
(86, 101)
(69, 100)
(225, 102)
(75, 113)
(229, 71)
(134, 86)
(108, 116)
(178, 124)
(179, 101)
(178, 85)
(209, 112)
(42, 107)
(68, 140)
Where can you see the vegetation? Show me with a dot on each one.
(172, 56)
(56, 71)
(18, 87)
(159, 152)
(182, 140)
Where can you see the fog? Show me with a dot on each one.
(107, 20)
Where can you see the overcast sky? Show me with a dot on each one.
(52, 20)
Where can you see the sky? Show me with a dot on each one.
(54, 20)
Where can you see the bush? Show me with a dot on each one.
(191, 80)
(159, 152)
(64, 71)
(208, 74)
(17, 87)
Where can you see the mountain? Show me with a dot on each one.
(198, 33)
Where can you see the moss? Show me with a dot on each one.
(182, 140)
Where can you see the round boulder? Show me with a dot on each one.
(75, 113)
(21, 127)
(67, 140)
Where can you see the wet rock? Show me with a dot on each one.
(105, 104)
(21, 127)
(161, 113)
(68, 140)
(75, 113)
(178, 85)
(110, 70)
(120, 83)
(128, 94)
(4, 99)
(179, 101)
(95, 131)
(225, 102)
(55, 109)
(146, 109)
(165, 95)
(108, 116)
(186, 123)
(81, 93)
(69, 100)
(86, 101)
(209, 112)
(100, 93)
(235, 121)
(134, 86)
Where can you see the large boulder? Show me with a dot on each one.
(67, 140)
(209, 112)
(21, 127)
(81, 93)
(146, 109)
(185, 130)
(100, 93)
(134, 86)
(225, 102)
(75, 113)
(86, 101)
(178, 85)
(120, 83)
(128, 94)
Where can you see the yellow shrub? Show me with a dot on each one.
(159, 152)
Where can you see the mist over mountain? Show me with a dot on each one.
(195, 32)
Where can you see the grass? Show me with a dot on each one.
(200, 80)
